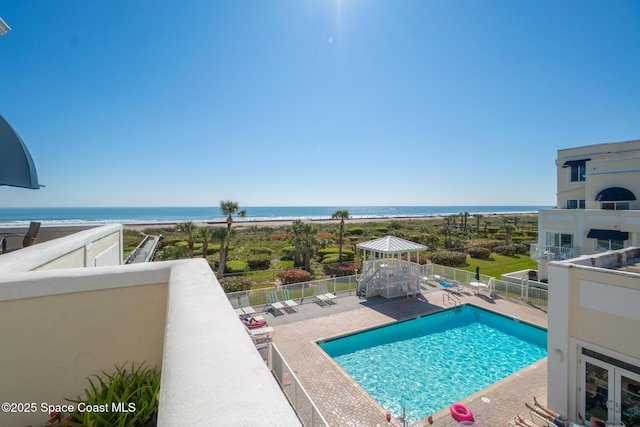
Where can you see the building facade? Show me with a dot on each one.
(597, 209)
(594, 336)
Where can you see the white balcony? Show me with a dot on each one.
(552, 253)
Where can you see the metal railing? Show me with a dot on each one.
(298, 397)
(526, 292)
(303, 292)
(552, 253)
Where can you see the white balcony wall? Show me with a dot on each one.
(59, 326)
(100, 246)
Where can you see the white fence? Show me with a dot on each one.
(297, 395)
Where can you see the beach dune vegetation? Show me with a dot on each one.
(355, 231)
(261, 252)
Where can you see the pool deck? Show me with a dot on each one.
(343, 403)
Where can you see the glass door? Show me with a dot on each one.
(627, 401)
(597, 389)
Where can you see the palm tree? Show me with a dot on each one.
(189, 228)
(304, 240)
(220, 234)
(465, 218)
(478, 217)
(228, 208)
(204, 233)
(446, 232)
(508, 229)
(342, 215)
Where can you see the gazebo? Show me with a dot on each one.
(384, 272)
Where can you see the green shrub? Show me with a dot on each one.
(347, 254)
(395, 225)
(511, 250)
(330, 259)
(448, 258)
(173, 252)
(287, 253)
(135, 390)
(479, 253)
(259, 263)
(236, 266)
(355, 231)
(521, 249)
(261, 251)
(505, 250)
(235, 283)
(382, 229)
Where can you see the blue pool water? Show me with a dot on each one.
(427, 364)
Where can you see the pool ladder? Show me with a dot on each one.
(449, 299)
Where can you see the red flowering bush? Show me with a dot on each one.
(344, 269)
(280, 236)
(294, 276)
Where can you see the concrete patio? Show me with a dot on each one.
(343, 403)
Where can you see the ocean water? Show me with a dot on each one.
(151, 215)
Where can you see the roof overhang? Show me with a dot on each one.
(391, 245)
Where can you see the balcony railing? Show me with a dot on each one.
(552, 253)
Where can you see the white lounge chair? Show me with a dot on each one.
(272, 301)
(288, 302)
(321, 295)
(245, 305)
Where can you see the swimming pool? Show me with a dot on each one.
(428, 363)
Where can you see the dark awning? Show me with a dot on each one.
(614, 194)
(570, 163)
(608, 234)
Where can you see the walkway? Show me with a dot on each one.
(145, 250)
(343, 403)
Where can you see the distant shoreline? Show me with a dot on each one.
(280, 222)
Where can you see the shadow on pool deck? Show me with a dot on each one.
(342, 402)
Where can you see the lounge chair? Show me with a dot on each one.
(254, 322)
(288, 302)
(272, 301)
(246, 305)
(29, 238)
(409, 291)
(322, 296)
(235, 303)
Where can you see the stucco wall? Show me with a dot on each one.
(52, 343)
(100, 246)
(590, 307)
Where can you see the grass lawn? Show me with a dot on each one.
(500, 264)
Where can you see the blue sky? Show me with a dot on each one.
(313, 102)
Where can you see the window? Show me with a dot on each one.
(607, 244)
(578, 172)
(559, 239)
(575, 204)
(615, 206)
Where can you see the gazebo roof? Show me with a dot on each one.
(391, 245)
